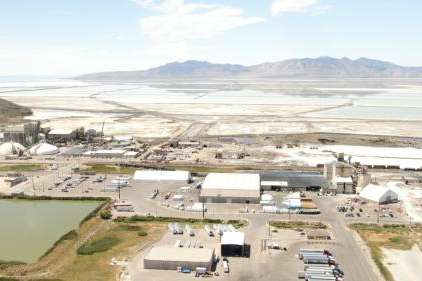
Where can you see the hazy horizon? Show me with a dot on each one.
(67, 38)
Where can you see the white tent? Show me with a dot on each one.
(44, 149)
(379, 194)
(11, 148)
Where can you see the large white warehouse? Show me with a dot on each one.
(158, 175)
(231, 188)
(379, 194)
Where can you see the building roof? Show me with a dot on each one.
(343, 180)
(154, 175)
(275, 183)
(377, 192)
(233, 238)
(180, 254)
(233, 181)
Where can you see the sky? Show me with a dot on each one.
(62, 37)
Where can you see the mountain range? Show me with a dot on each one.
(321, 67)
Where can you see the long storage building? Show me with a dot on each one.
(231, 188)
(163, 176)
(170, 258)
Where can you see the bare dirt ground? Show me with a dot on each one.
(404, 265)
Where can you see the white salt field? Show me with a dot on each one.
(372, 112)
(224, 108)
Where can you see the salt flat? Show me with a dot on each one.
(247, 107)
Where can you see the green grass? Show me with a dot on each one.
(21, 167)
(195, 222)
(100, 245)
(298, 225)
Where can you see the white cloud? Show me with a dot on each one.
(178, 25)
(282, 6)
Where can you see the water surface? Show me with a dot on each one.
(29, 228)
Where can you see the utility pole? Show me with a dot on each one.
(203, 209)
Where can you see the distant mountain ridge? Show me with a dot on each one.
(321, 67)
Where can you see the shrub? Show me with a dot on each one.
(99, 245)
(106, 215)
(142, 233)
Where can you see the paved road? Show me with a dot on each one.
(357, 267)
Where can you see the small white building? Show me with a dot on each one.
(233, 244)
(379, 194)
(164, 176)
(231, 188)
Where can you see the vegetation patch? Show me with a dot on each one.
(297, 225)
(108, 169)
(6, 264)
(106, 214)
(21, 167)
(138, 218)
(99, 245)
(393, 236)
(142, 232)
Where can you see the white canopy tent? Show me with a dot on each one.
(379, 194)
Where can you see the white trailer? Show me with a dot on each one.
(209, 231)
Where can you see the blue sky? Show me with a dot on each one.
(62, 37)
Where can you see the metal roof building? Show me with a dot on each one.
(169, 258)
(158, 175)
(231, 188)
